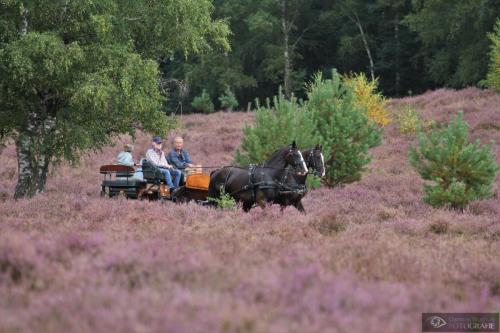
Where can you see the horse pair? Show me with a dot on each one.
(279, 180)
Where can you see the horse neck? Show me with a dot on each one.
(277, 159)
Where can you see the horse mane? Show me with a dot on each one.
(277, 160)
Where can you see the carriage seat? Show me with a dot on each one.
(123, 182)
(152, 173)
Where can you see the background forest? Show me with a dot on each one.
(410, 45)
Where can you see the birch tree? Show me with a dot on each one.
(74, 73)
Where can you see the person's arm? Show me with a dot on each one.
(163, 162)
(176, 161)
(187, 159)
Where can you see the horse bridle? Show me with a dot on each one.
(295, 163)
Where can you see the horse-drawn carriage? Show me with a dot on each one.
(280, 180)
(119, 180)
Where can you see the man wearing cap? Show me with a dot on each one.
(156, 156)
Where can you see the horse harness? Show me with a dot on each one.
(281, 186)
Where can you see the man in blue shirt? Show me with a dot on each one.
(179, 157)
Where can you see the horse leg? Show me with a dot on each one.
(299, 206)
(247, 206)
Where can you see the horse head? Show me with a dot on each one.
(293, 156)
(315, 160)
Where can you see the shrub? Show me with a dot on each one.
(274, 127)
(493, 77)
(225, 201)
(228, 100)
(203, 103)
(460, 172)
(368, 98)
(344, 129)
(408, 120)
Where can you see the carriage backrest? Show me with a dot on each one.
(117, 169)
(198, 181)
(151, 172)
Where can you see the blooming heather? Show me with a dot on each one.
(370, 256)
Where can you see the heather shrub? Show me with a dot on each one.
(493, 77)
(439, 227)
(328, 225)
(459, 171)
(224, 201)
(343, 127)
(228, 100)
(368, 98)
(276, 125)
(203, 103)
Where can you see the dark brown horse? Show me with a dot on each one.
(258, 184)
(315, 163)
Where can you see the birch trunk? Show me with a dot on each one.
(367, 47)
(286, 52)
(398, 74)
(26, 181)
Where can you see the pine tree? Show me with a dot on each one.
(493, 78)
(275, 126)
(345, 129)
(459, 171)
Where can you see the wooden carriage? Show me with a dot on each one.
(119, 180)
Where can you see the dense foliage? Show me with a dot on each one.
(410, 46)
(460, 171)
(75, 73)
(276, 125)
(228, 100)
(203, 103)
(343, 127)
(493, 78)
(369, 98)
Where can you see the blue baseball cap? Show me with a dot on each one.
(157, 139)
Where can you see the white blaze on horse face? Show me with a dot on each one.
(323, 163)
(303, 162)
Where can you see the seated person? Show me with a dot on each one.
(125, 158)
(156, 156)
(180, 158)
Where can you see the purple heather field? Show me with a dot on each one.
(368, 257)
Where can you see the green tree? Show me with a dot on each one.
(459, 171)
(276, 125)
(344, 128)
(493, 78)
(75, 73)
(203, 103)
(454, 40)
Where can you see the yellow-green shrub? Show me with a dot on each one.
(409, 121)
(368, 98)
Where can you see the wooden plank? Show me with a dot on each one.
(112, 168)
